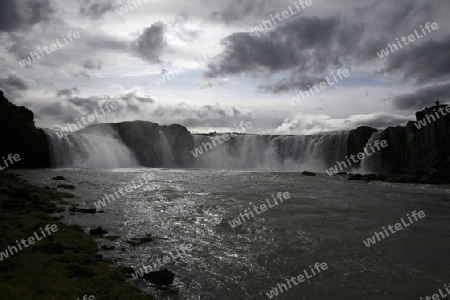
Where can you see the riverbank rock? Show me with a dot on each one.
(97, 232)
(140, 241)
(307, 173)
(162, 277)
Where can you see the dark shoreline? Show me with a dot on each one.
(64, 265)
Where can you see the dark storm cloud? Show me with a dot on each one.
(150, 45)
(13, 85)
(304, 47)
(385, 21)
(299, 81)
(82, 51)
(403, 14)
(96, 8)
(21, 14)
(238, 10)
(425, 63)
(423, 97)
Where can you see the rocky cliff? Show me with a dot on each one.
(419, 150)
(428, 152)
(18, 135)
(357, 140)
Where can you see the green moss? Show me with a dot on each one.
(62, 275)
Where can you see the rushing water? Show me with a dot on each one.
(102, 147)
(325, 220)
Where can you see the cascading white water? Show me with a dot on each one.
(102, 149)
(373, 162)
(287, 153)
(166, 150)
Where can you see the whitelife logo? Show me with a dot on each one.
(160, 262)
(85, 297)
(323, 86)
(281, 17)
(411, 38)
(12, 159)
(398, 227)
(221, 139)
(31, 240)
(53, 47)
(318, 267)
(63, 131)
(130, 6)
(431, 118)
(439, 296)
(108, 198)
(263, 207)
(355, 158)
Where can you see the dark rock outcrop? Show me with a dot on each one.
(420, 153)
(19, 135)
(140, 241)
(163, 277)
(97, 232)
(181, 141)
(307, 173)
(394, 155)
(357, 140)
(66, 186)
(423, 153)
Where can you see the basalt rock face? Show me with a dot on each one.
(19, 135)
(428, 152)
(395, 154)
(181, 141)
(421, 153)
(357, 140)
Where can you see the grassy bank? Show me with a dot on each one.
(61, 266)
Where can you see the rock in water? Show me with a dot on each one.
(162, 277)
(306, 173)
(97, 231)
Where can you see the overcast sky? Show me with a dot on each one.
(227, 74)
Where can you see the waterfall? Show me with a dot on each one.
(374, 162)
(137, 144)
(102, 149)
(263, 152)
(166, 151)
